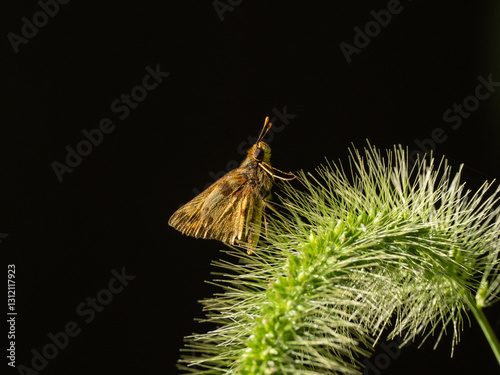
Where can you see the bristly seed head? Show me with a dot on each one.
(349, 254)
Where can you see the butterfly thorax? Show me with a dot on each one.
(256, 167)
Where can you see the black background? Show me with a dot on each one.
(225, 77)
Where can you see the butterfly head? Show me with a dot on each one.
(260, 152)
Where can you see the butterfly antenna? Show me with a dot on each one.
(265, 129)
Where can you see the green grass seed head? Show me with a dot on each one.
(383, 247)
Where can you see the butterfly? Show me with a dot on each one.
(231, 209)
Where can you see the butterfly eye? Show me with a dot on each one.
(258, 154)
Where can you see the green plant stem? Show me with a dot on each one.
(486, 327)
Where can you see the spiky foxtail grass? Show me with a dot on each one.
(384, 247)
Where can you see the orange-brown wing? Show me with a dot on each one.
(187, 219)
(219, 212)
(235, 219)
(249, 213)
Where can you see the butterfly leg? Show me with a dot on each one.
(265, 222)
